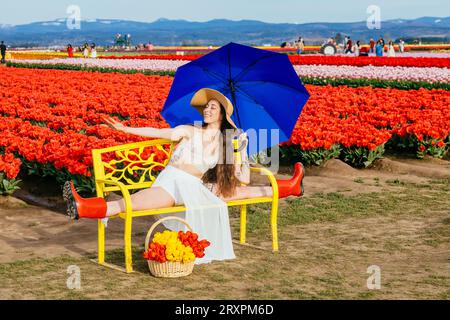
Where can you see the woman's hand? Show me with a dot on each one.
(242, 141)
(242, 169)
(113, 124)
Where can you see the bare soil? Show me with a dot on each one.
(318, 259)
(30, 231)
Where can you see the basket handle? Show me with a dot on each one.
(152, 228)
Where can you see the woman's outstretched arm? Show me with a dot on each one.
(173, 134)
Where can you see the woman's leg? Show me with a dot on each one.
(246, 192)
(150, 198)
(286, 187)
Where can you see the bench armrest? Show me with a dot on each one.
(270, 176)
(123, 190)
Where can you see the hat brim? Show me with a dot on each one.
(203, 96)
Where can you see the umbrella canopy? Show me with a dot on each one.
(265, 90)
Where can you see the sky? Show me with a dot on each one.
(276, 11)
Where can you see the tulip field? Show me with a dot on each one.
(359, 108)
(411, 74)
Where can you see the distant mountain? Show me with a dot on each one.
(215, 32)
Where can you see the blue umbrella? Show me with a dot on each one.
(263, 86)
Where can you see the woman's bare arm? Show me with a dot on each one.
(173, 134)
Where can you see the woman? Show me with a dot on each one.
(379, 49)
(356, 48)
(391, 50)
(70, 51)
(93, 51)
(86, 51)
(201, 174)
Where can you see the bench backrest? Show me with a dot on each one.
(136, 165)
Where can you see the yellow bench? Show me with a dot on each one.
(132, 166)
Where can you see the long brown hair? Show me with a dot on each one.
(223, 173)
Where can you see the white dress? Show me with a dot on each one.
(206, 213)
(391, 51)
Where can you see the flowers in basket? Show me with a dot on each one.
(176, 247)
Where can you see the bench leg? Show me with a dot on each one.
(127, 240)
(101, 250)
(243, 223)
(101, 242)
(274, 224)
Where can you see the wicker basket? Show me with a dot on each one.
(168, 269)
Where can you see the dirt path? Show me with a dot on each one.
(29, 231)
(317, 260)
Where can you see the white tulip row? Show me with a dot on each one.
(440, 75)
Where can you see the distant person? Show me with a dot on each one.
(86, 51)
(349, 45)
(401, 46)
(93, 51)
(372, 45)
(70, 50)
(391, 49)
(345, 42)
(3, 51)
(379, 47)
(357, 48)
(382, 41)
(300, 45)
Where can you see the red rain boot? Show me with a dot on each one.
(293, 186)
(78, 207)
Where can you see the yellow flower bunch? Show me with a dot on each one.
(30, 55)
(163, 238)
(175, 249)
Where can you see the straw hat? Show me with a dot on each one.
(202, 97)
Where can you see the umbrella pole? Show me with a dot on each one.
(233, 98)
